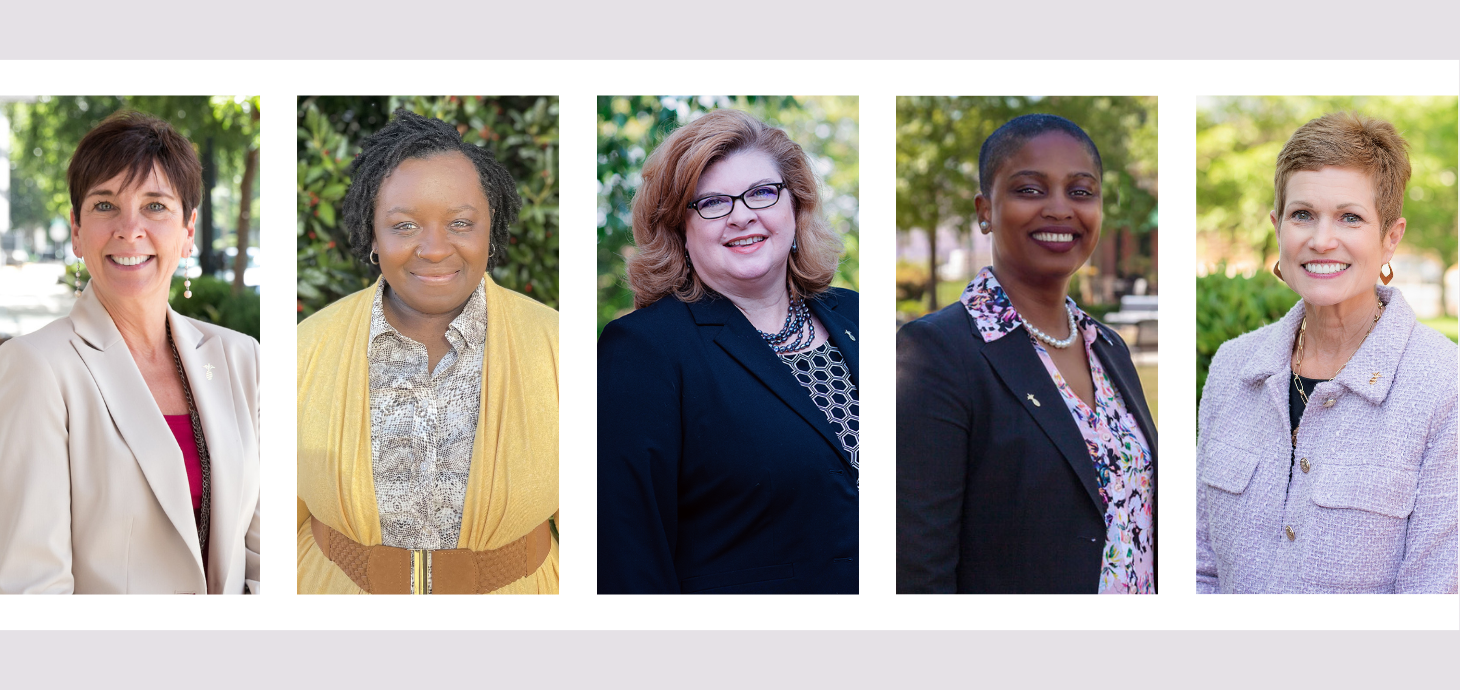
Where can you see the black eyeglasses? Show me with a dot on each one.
(720, 205)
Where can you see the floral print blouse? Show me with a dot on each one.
(1119, 451)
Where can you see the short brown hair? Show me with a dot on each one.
(658, 268)
(1350, 140)
(133, 142)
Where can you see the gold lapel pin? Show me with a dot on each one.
(209, 369)
(1375, 379)
(849, 335)
(1033, 400)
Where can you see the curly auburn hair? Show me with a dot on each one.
(658, 268)
(409, 135)
(1349, 140)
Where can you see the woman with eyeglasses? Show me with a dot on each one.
(727, 402)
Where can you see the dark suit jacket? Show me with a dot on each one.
(994, 493)
(716, 473)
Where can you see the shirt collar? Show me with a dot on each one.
(995, 316)
(468, 329)
(1371, 369)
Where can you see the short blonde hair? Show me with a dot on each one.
(1350, 140)
(659, 268)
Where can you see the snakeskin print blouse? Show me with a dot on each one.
(824, 373)
(422, 425)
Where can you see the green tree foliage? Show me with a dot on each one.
(1237, 144)
(938, 140)
(630, 127)
(521, 131)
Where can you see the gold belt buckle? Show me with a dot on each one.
(420, 571)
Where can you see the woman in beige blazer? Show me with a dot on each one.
(128, 433)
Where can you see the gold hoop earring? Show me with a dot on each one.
(1277, 270)
(374, 258)
(1383, 277)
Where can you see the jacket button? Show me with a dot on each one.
(1292, 536)
(1304, 464)
(1328, 402)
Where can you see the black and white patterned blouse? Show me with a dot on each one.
(422, 426)
(824, 373)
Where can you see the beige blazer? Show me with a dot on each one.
(93, 491)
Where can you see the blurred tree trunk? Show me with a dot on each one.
(933, 260)
(206, 261)
(245, 200)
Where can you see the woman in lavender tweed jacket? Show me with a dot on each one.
(1375, 510)
(1344, 482)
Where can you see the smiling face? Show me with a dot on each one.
(132, 237)
(1044, 210)
(743, 253)
(433, 232)
(1330, 240)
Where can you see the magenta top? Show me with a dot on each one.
(182, 430)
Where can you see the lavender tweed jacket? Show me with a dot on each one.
(1375, 509)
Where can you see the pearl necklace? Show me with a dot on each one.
(1061, 344)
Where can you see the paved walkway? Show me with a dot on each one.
(30, 297)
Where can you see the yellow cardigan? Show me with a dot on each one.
(513, 484)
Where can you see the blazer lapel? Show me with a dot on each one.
(1017, 365)
(1127, 382)
(135, 414)
(841, 330)
(741, 341)
(210, 380)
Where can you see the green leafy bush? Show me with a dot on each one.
(1228, 307)
(213, 301)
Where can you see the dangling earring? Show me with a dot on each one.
(687, 262)
(187, 282)
(1277, 270)
(984, 226)
(81, 266)
(1383, 277)
(793, 245)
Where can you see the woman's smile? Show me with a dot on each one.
(746, 244)
(1324, 270)
(1056, 239)
(130, 262)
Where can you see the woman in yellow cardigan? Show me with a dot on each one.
(428, 404)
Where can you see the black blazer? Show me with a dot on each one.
(994, 493)
(716, 472)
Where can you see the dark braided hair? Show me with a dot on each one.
(1010, 137)
(409, 135)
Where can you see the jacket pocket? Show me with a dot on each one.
(1388, 491)
(733, 578)
(1227, 467)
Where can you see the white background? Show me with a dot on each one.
(1176, 83)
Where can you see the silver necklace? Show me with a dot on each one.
(1061, 344)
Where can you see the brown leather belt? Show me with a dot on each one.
(390, 570)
